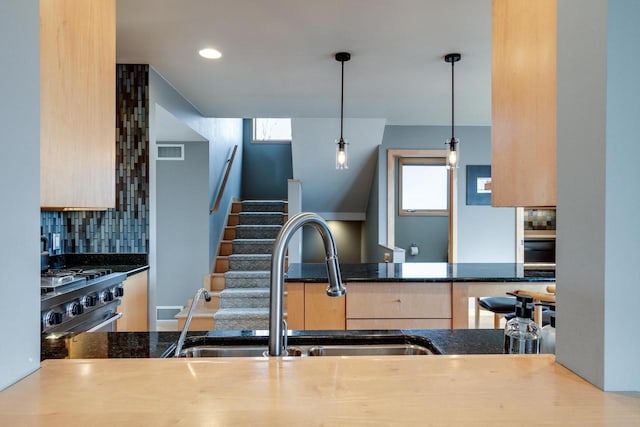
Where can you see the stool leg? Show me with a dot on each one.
(477, 313)
(496, 320)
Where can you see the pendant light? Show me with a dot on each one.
(452, 155)
(342, 160)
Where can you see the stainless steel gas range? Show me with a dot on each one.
(76, 300)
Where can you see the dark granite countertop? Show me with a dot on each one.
(420, 272)
(129, 263)
(153, 344)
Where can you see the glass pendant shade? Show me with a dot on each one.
(342, 155)
(452, 154)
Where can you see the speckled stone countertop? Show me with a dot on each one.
(420, 272)
(154, 344)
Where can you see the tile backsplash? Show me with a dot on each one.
(539, 219)
(124, 229)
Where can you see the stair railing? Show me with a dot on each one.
(223, 181)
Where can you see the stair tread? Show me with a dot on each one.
(244, 292)
(241, 274)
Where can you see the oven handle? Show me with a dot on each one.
(106, 322)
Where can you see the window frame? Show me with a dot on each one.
(426, 161)
(268, 141)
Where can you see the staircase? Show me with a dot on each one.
(244, 264)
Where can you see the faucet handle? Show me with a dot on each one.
(336, 288)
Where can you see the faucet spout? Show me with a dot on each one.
(183, 335)
(277, 328)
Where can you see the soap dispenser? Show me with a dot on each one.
(548, 337)
(522, 334)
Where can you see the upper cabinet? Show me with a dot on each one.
(523, 144)
(77, 104)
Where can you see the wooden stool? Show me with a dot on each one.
(499, 306)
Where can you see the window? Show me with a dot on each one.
(424, 186)
(272, 130)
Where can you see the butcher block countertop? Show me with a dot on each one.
(482, 390)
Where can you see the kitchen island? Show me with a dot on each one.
(490, 390)
(411, 295)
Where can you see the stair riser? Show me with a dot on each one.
(256, 232)
(249, 264)
(241, 324)
(260, 219)
(263, 207)
(244, 302)
(246, 283)
(252, 248)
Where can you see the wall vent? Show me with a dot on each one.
(170, 152)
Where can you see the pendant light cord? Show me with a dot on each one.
(341, 99)
(452, 105)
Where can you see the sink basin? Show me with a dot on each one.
(231, 351)
(368, 350)
(308, 346)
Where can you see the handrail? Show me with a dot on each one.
(223, 183)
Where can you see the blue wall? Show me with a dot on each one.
(265, 168)
(485, 234)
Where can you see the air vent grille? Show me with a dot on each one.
(171, 152)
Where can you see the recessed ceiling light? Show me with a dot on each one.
(210, 53)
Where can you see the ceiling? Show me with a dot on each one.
(278, 56)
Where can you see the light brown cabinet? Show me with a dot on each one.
(309, 307)
(402, 305)
(77, 104)
(523, 133)
(134, 304)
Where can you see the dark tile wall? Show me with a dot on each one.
(124, 229)
(539, 219)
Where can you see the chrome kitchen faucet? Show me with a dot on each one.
(183, 335)
(277, 325)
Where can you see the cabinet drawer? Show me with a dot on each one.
(398, 323)
(398, 300)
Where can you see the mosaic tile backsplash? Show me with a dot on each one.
(124, 229)
(539, 219)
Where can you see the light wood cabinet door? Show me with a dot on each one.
(398, 324)
(134, 305)
(523, 132)
(322, 311)
(294, 305)
(77, 104)
(399, 300)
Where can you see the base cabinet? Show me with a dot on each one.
(308, 307)
(399, 306)
(134, 304)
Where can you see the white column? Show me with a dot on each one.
(598, 191)
(295, 207)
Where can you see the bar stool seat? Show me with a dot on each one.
(498, 306)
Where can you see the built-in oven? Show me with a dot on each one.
(80, 301)
(539, 253)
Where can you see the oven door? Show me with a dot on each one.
(100, 320)
(108, 325)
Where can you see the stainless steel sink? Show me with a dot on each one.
(309, 346)
(368, 350)
(232, 351)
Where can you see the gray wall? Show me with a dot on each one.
(183, 223)
(265, 168)
(20, 175)
(598, 191)
(222, 134)
(348, 238)
(485, 234)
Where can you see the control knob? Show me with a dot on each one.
(89, 300)
(74, 309)
(106, 296)
(118, 291)
(51, 318)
